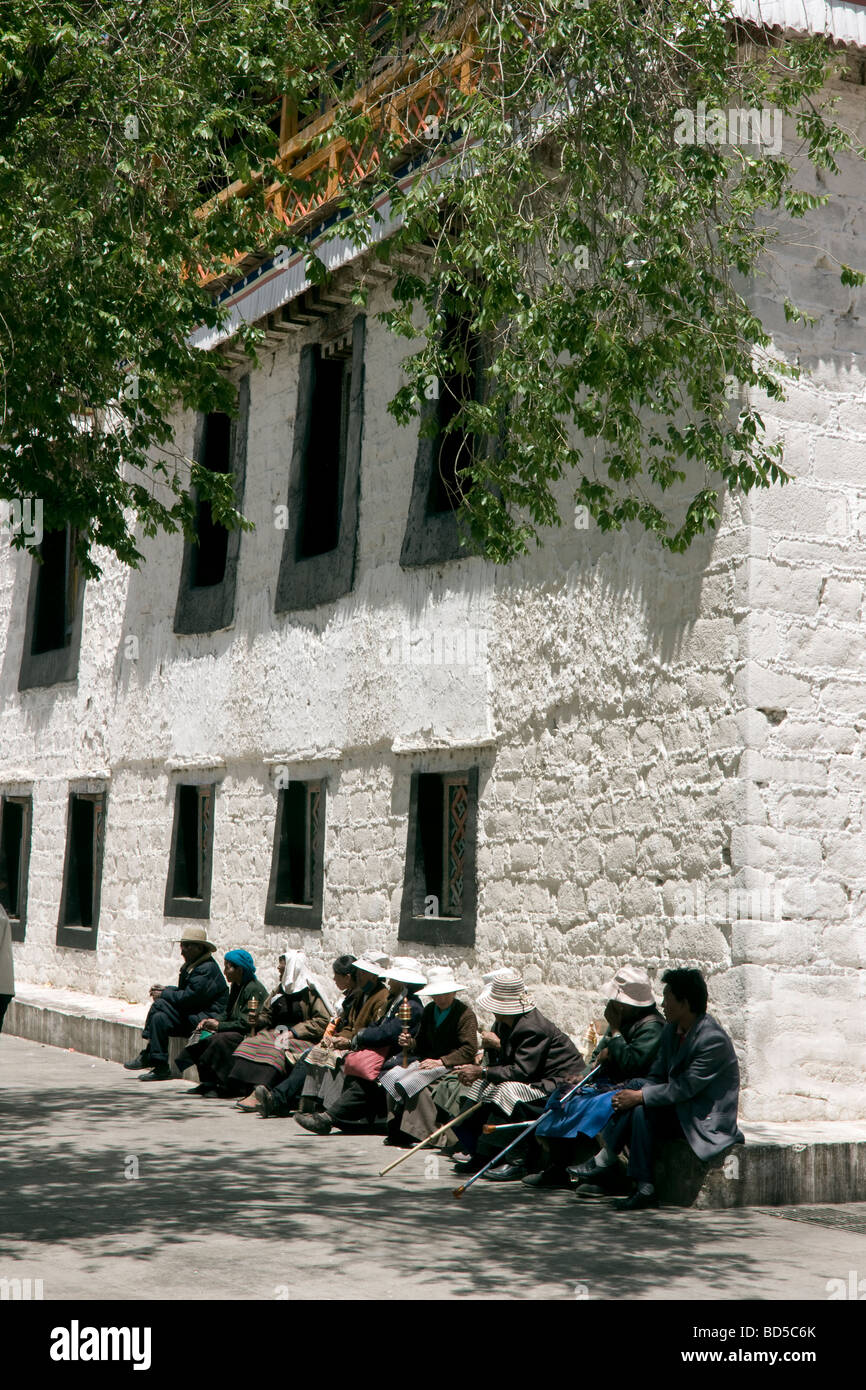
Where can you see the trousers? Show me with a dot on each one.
(642, 1128)
(163, 1022)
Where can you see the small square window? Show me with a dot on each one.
(82, 874)
(15, 820)
(187, 891)
(295, 891)
(439, 893)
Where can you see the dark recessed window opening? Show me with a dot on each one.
(15, 815)
(453, 449)
(442, 807)
(187, 892)
(82, 874)
(440, 890)
(56, 593)
(299, 824)
(209, 556)
(186, 882)
(325, 458)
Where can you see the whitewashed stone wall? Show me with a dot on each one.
(671, 748)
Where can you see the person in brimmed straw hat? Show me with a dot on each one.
(200, 992)
(627, 1049)
(532, 1058)
(447, 1035)
(353, 1101)
(368, 1003)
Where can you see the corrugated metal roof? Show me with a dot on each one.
(842, 20)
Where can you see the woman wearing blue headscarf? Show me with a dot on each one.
(214, 1041)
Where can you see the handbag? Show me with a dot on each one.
(366, 1063)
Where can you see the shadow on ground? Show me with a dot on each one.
(204, 1170)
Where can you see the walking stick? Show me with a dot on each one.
(497, 1158)
(430, 1137)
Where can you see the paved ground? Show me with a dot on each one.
(231, 1206)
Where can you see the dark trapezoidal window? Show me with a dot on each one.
(453, 447)
(440, 892)
(15, 816)
(209, 556)
(82, 878)
(324, 462)
(189, 875)
(296, 885)
(56, 593)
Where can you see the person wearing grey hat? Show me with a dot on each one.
(201, 992)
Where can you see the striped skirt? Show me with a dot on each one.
(453, 1097)
(272, 1049)
(402, 1083)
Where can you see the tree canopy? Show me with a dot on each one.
(607, 177)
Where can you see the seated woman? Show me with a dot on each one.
(447, 1035)
(283, 1098)
(354, 1101)
(294, 1017)
(212, 1044)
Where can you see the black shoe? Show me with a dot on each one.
(469, 1165)
(593, 1192)
(589, 1171)
(203, 1089)
(506, 1172)
(638, 1201)
(139, 1063)
(548, 1177)
(160, 1072)
(316, 1124)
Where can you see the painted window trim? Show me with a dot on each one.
(56, 667)
(18, 924)
(310, 582)
(213, 608)
(441, 931)
(83, 938)
(196, 908)
(306, 916)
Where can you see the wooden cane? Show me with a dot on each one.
(497, 1158)
(430, 1137)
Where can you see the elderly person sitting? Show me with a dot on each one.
(353, 1099)
(211, 1047)
(447, 1036)
(529, 1056)
(201, 992)
(322, 1065)
(627, 1049)
(292, 1019)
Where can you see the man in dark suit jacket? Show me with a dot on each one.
(201, 991)
(691, 1092)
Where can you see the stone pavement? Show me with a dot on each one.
(219, 1205)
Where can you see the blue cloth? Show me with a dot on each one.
(586, 1113)
(439, 1014)
(245, 961)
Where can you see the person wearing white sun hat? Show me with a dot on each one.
(447, 1036)
(352, 1099)
(533, 1057)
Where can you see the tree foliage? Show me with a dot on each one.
(599, 256)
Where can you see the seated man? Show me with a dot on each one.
(691, 1091)
(201, 992)
(529, 1057)
(627, 1049)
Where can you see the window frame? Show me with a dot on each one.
(199, 907)
(83, 938)
(440, 930)
(60, 664)
(18, 923)
(212, 608)
(309, 581)
(304, 915)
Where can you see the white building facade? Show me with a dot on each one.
(597, 755)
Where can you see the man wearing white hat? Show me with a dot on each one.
(353, 1101)
(201, 992)
(533, 1057)
(447, 1036)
